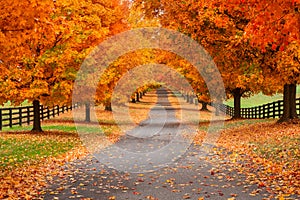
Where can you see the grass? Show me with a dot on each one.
(9, 104)
(63, 128)
(18, 148)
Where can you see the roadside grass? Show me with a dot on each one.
(28, 148)
(107, 130)
(19, 146)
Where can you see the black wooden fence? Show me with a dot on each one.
(270, 110)
(18, 116)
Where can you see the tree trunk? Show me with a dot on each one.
(204, 106)
(108, 107)
(237, 94)
(36, 117)
(289, 103)
(87, 112)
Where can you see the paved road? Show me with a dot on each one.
(153, 162)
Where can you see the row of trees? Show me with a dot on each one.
(255, 45)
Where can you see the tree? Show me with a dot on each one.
(44, 42)
(288, 65)
(275, 27)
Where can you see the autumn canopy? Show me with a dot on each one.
(255, 45)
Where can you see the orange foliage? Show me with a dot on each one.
(44, 43)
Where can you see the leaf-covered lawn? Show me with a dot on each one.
(271, 149)
(18, 148)
(279, 150)
(28, 159)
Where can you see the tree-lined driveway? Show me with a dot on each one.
(192, 175)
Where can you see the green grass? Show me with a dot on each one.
(259, 99)
(63, 128)
(8, 104)
(15, 151)
(20, 146)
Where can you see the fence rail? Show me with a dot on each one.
(18, 116)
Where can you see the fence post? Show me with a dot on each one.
(255, 116)
(0, 120)
(274, 109)
(10, 117)
(53, 111)
(48, 112)
(42, 112)
(20, 116)
(36, 117)
(28, 115)
(87, 112)
(298, 106)
(264, 111)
